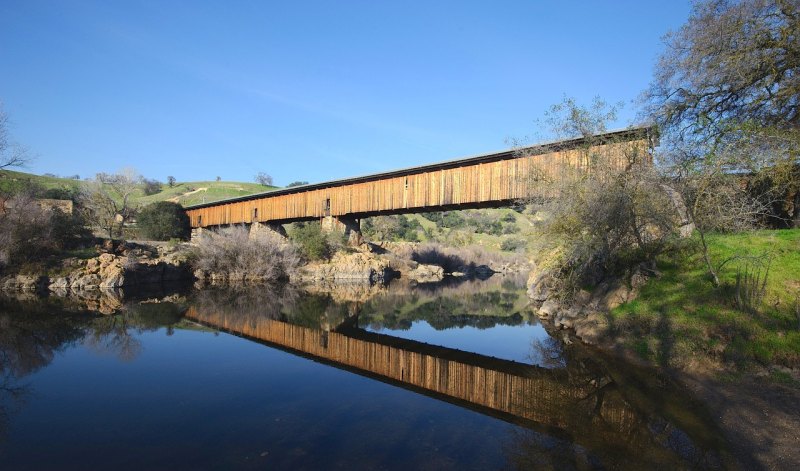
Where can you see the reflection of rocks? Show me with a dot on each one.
(103, 301)
(24, 283)
(346, 292)
(586, 313)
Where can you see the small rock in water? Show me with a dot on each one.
(263, 454)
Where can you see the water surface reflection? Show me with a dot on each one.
(434, 377)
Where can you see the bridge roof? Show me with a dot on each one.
(541, 148)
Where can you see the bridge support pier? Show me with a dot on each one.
(348, 225)
(196, 233)
(271, 228)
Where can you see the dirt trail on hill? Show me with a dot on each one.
(177, 199)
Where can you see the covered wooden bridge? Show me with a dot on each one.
(489, 180)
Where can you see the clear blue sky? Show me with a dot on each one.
(307, 90)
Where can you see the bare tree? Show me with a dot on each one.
(606, 215)
(721, 188)
(726, 97)
(263, 178)
(109, 200)
(734, 62)
(171, 181)
(11, 153)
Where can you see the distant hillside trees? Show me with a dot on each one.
(297, 183)
(163, 220)
(151, 186)
(109, 200)
(263, 178)
(388, 228)
(171, 181)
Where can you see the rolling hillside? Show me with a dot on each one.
(185, 193)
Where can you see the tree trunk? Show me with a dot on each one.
(707, 259)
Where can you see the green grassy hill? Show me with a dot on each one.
(185, 193)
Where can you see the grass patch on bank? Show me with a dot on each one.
(680, 316)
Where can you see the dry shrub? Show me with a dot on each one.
(232, 252)
(30, 233)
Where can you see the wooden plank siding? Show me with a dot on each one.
(482, 180)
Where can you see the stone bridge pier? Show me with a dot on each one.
(253, 230)
(350, 226)
(267, 228)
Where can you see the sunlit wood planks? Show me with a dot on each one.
(492, 178)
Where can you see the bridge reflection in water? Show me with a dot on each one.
(578, 402)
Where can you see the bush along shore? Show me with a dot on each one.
(672, 315)
(233, 256)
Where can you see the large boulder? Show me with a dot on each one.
(344, 267)
(426, 274)
(540, 285)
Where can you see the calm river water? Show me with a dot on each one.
(458, 376)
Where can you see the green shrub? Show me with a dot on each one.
(513, 244)
(394, 228)
(163, 220)
(311, 241)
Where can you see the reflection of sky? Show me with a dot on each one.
(196, 400)
(501, 341)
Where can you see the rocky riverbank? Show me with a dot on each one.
(586, 313)
(757, 407)
(123, 267)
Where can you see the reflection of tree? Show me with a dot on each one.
(479, 304)
(264, 302)
(528, 449)
(624, 418)
(112, 334)
(118, 334)
(30, 335)
(277, 302)
(12, 396)
(548, 352)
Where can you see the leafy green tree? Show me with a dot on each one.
(163, 220)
